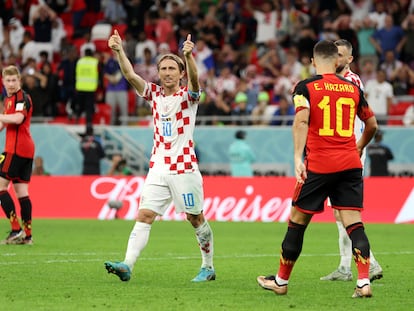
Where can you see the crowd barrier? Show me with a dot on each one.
(256, 199)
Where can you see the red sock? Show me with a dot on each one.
(285, 268)
(14, 222)
(362, 265)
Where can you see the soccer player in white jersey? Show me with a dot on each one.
(173, 175)
(343, 272)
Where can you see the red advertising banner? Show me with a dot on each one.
(264, 199)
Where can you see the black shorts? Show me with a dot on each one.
(15, 168)
(344, 189)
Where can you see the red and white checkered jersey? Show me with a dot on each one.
(174, 121)
(359, 125)
(353, 77)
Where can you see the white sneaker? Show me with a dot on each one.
(375, 271)
(338, 275)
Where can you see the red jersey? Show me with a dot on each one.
(18, 138)
(333, 102)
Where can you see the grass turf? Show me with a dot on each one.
(64, 269)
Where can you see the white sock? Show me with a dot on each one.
(138, 239)
(204, 236)
(372, 260)
(280, 281)
(363, 282)
(345, 247)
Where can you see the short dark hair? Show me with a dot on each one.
(325, 49)
(345, 43)
(240, 134)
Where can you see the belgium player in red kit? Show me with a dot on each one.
(16, 161)
(327, 164)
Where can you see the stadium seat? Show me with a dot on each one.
(121, 28)
(132, 103)
(397, 112)
(101, 31)
(102, 114)
(101, 45)
(67, 18)
(69, 31)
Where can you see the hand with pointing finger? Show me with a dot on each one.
(188, 46)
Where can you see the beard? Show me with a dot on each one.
(340, 68)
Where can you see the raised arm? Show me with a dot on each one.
(192, 73)
(115, 43)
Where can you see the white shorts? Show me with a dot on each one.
(184, 190)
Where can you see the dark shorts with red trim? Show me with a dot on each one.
(344, 189)
(15, 168)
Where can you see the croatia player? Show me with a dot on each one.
(173, 174)
(343, 272)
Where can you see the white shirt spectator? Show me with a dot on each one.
(379, 93)
(16, 33)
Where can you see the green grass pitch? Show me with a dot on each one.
(64, 269)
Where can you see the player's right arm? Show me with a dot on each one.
(115, 43)
(367, 116)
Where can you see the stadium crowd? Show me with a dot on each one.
(249, 53)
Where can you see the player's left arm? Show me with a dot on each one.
(192, 72)
(300, 132)
(13, 118)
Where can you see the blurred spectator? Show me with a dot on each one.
(92, 152)
(368, 70)
(16, 34)
(67, 79)
(34, 83)
(212, 32)
(213, 109)
(284, 113)
(379, 155)
(87, 82)
(260, 113)
(50, 83)
(226, 82)
(328, 32)
(364, 30)
(402, 80)
(270, 63)
(119, 166)
(308, 69)
(116, 90)
(147, 68)
(239, 112)
(130, 43)
(266, 17)
(58, 34)
(204, 59)
(43, 18)
(359, 9)
(377, 16)
(408, 48)
(28, 47)
(115, 12)
(144, 42)
(165, 32)
(231, 20)
(390, 65)
(241, 156)
(38, 167)
(87, 44)
(284, 83)
(78, 10)
(136, 11)
(390, 37)
(379, 95)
